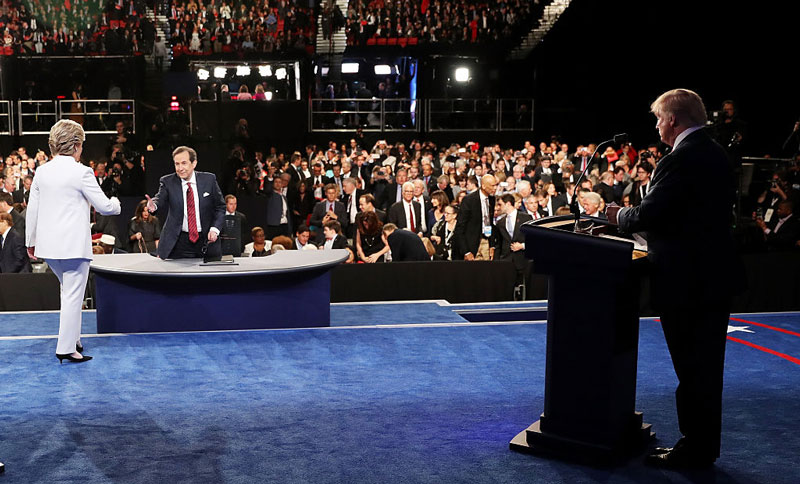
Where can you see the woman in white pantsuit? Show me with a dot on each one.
(58, 230)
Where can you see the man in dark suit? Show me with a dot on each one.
(279, 220)
(694, 272)
(407, 214)
(405, 245)
(394, 191)
(196, 209)
(24, 192)
(332, 236)
(642, 185)
(424, 202)
(510, 241)
(350, 200)
(474, 226)
(13, 254)
(235, 233)
(783, 230)
(328, 209)
(295, 171)
(7, 206)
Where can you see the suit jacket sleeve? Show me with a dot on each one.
(94, 194)
(161, 199)
(219, 204)
(459, 233)
(22, 262)
(664, 200)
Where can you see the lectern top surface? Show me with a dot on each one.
(281, 261)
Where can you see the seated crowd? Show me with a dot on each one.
(379, 22)
(392, 202)
(75, 27)
(212, 27)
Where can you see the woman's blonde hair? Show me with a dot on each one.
(65, 137)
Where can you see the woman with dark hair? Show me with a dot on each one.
(442, 234)
(369, 240)
(144, 230)
(439, 200)
(301, 204)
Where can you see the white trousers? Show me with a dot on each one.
(72, 275)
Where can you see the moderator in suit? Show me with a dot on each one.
(175, 242)
(13, 256)
(405, 245)
(470, 231)
(695, 269)
(57, 227)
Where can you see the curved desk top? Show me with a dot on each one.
(280, 262)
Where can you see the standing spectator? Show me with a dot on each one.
(442, 233)
(13, 256)
(144, 230)
(234, 228)
(474, 228)
(510, 241)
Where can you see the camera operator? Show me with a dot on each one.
(246, 184)
(113, 185)
(730, 131)
(776, 191)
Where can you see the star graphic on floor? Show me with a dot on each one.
(743, 329)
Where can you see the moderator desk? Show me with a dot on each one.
(139, 293)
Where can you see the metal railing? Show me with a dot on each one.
(377, 115)
(479, 114)
(97, 116)
(6, 118)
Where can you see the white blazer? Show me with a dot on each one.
(57, 220)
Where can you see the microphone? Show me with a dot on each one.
(618, 139)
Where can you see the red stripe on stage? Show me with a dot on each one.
(794, 360)
(767, 326)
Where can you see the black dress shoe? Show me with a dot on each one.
(679, 459)
(71, 358)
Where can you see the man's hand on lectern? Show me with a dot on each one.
(611, 212)
(151, 205)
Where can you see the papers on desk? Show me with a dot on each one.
(639, 243)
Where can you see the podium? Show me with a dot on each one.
(592, 342)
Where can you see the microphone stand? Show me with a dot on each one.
(573, 206)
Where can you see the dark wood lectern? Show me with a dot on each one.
(592, 342)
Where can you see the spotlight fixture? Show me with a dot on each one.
(265, 71)
(243, 71)
(325, 71)
(382, 70)
(203, 74)
(349, 67)
(220, 72)
(268, 94)
(462, 74)
(280, 73)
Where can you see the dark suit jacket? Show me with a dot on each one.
(350, 231)
(170, 195)
(19, 223)
(340, 242)
(607, 192)
(14, 255)
(469, 226)
(320, 209)
(407, 246)
(389, 196)
(397, 216)
(21, 196)
(693, 257)
(786, 237)
(504, 240)
(636, 196)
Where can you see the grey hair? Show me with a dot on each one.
(65, 136)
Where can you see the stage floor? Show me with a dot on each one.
(393, 392)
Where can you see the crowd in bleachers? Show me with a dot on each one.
(75, 27)
(411, 22)
(212, 27)
(365, 197)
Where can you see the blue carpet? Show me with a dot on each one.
(413, 404)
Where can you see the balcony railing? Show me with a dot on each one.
(97, 116)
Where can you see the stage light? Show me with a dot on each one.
(203, 74)
(316, 69)
(325, 71)
(462, 74)
(349, 67)
(265, 71)
(280, 73)
(220, 72)
(382, 70)
(268, 94)
(243, 70)
(173, 105)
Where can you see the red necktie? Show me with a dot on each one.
(190, 214)
(411, 218)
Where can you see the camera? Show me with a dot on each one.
(115, 173)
